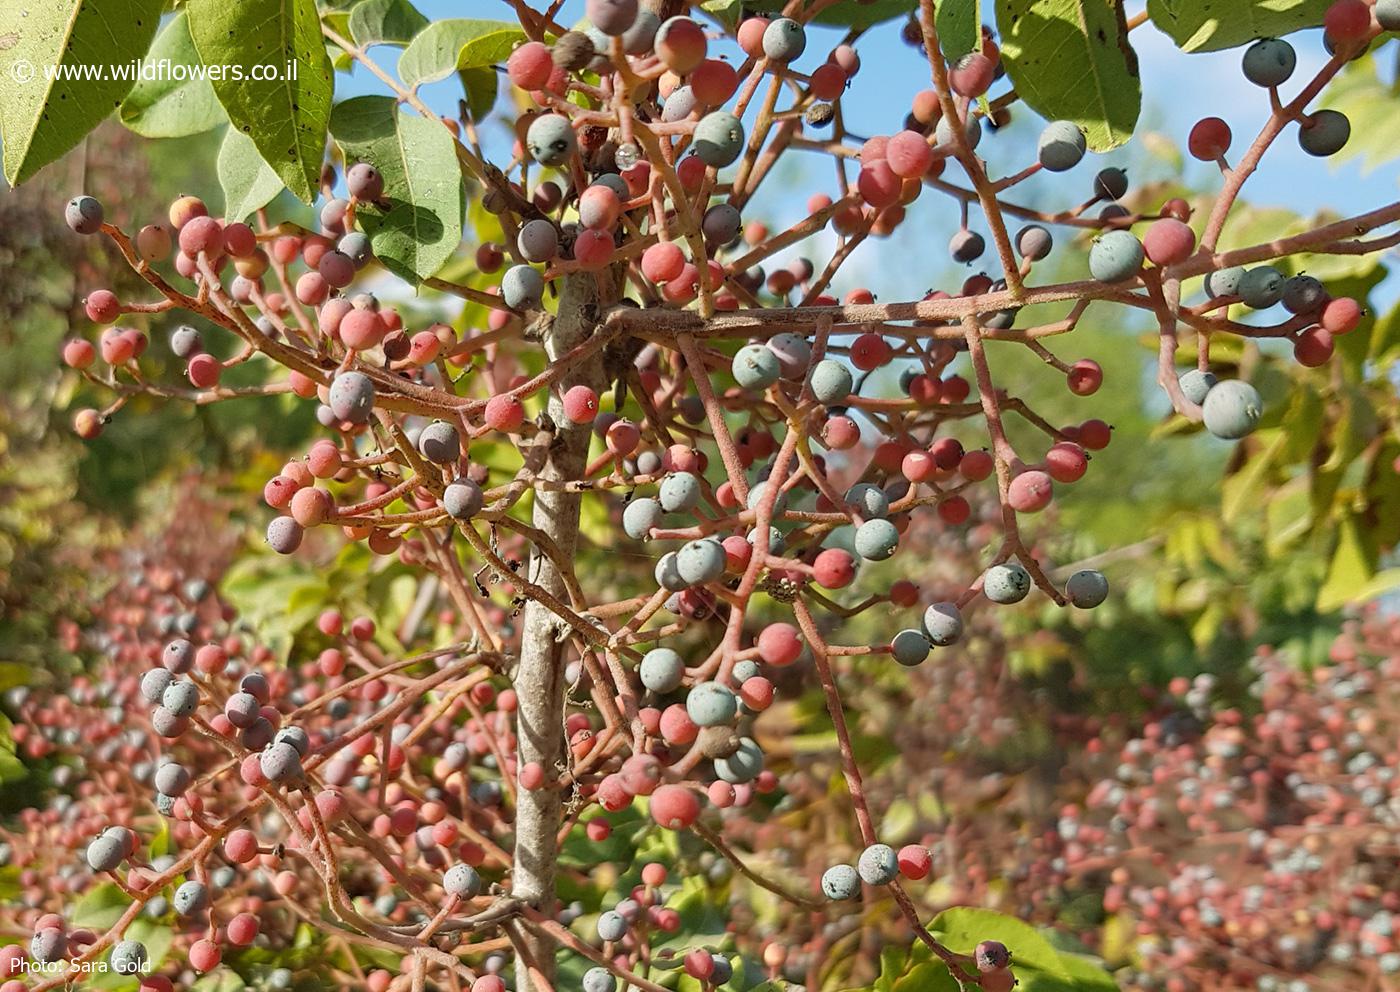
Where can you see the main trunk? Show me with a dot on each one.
(539, 680)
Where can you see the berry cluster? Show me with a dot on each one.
(713, 403)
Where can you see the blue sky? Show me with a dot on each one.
(1178, 90)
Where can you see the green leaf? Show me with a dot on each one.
(41, 118)
(167, 107)
(248, 182)
(959, 24)
(1355, 92)
(458, 43)
(99, 908)
(285, 117)
(961, 929)
(1210, 25)
(1070, 60)
(1352, 576)
(481, 84)
(848, 13)
(385, 22)
(422, 183)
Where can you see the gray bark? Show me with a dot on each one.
(539, 679)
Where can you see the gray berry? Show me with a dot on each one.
(611, 926)
(719, 138)
(661, 670)
(83, 214)
(876, 540)
(784, 39)
(181, 697)
(710, 704)
(1224, 282)
(154, 683)
(462, 880)
(701, 561)
(1326, 134)
(1007, 583)
(1115, 257)
(1195, 384)
(440, 443)
(878, 865)
(522, 287)
(284, 535)
(351, 397)
(755, 366)
(744, 765)
(840, 882)
(129, 958)
(462, 499)
(1261, 287)
(1232, 409)
(550, 139)
(679, 492)
(831, 381)
(1269, 62)
(1062, 146)
(279, 762)
(1086, 588)
(909, 648)
(943, 623)
(640, 516)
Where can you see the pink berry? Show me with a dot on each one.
(1030, 492)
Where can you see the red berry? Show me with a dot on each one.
(1169, 241)
(1084, 377)
(504, 412)
(581, 404)
(1341, 315)
(675, 806)
(1209, 139)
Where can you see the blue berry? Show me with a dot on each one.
(129, 957)
(668, 573)
(868, 500)
(1262, 287)
(1224, 282)
(181, 697)
(1326, 134)
(612, 926)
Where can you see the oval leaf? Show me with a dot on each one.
(41, 118)
(1208, 25)
(165, 107)
(458, 43)
(419, 224)
(248, 182)
(385, 22)
(962, 928)
(959, 27)
(285, 117)
(1070, 60)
